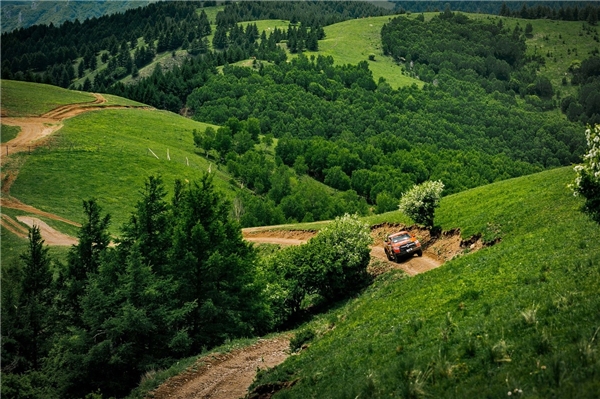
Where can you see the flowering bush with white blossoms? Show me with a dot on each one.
(587, 181)
(419, 202)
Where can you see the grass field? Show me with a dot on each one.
(8, 133)
(352, 41)
(520, 315)
(17, 98)
(104, 155)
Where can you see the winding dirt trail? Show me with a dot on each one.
(36, 128)
(50, 235)
(34, 132)
(412, 266)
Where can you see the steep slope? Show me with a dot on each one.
(519, 317)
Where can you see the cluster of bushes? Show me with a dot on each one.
(330, 266)
(585, 107)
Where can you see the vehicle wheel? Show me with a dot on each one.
(420, 253)
(398, 258)
(388, 255)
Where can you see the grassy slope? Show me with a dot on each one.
(352, 41)
(17, 98)
(519, 315)
(109, 160)
(7, 133)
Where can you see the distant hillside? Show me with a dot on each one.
(23, 14)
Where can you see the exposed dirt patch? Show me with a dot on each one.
(50, 235)
(281, 237)
(437, 249)
(13, 226)
(13, 203)
(224, 376)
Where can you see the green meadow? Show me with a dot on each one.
(7, 133)
(351, 42)
(107, 155)
(520, 315)
(560, 43)
(18, 101)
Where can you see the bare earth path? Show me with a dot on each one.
(224, 376)
(34, 131)
(51, 236)
(412, 266)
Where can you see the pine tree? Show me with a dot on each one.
(84, 258)
(35, 303)
(149, 226)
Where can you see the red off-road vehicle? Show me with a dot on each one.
(401, 245)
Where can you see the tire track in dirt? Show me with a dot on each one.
(13, 203)
(50, 235)
(224, 376)
(13, 226)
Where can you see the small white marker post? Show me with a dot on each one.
(152, 152)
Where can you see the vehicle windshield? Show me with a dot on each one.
(403, 237)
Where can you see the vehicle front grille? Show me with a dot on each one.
(406, 247)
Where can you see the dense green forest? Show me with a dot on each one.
(558, 10)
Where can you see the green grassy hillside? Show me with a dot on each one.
(351, 42)
(106, 155)
(33, 99)
(521, 316)
(560, 43)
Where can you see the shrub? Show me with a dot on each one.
(587, 181)
(337, 258)
(331, 265)
(419, 202)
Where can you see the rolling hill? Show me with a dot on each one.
(104, 155)
(519, 317)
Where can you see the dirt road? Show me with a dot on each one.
(35, 128)
(224, 376)
(51, 236)
(412, 266)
